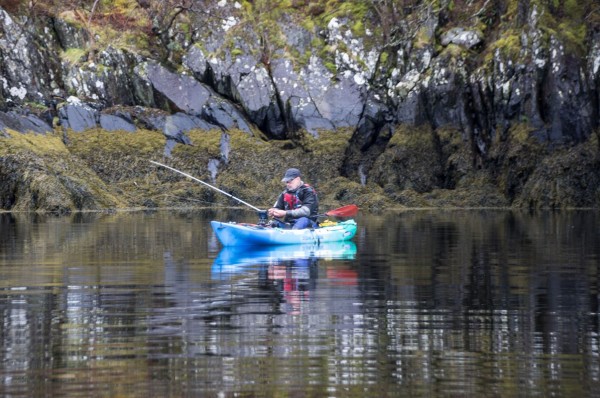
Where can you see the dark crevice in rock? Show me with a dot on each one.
(283, 110)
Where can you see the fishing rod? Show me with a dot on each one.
(210, 186)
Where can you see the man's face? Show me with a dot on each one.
(293, 184)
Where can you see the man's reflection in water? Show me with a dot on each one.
(294, 279)
(288, 273)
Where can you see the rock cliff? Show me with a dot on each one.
(468, 103)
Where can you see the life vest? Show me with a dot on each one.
(291, 200)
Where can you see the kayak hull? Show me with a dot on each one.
(233, 234)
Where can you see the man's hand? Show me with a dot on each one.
(273, 212)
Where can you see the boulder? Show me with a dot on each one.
(78, 116)
(116, 122)
(462, 37)
(23, 123)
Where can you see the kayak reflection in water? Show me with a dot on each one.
(238, 259)
(297, 206)
(290, 270)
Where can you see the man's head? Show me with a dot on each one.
(292, 178)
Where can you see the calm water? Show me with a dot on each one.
(423, 303)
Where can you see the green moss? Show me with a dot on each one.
(240, 140)
(514, 157)
(317, 42)
(411, 160)
(565, 178)
(308, 24)
(41, 174)
(575, 9)
(520, 133)
(136, 41)
(327, 143)
(34, 143)
(475, 190)
(383, 57)
(422, 38)
(358, 28)
(70, 17)
(331, 67)
(35, 106)
(411, 136)
(509, 46)
(573, 35)
(566, 21)
(351, 9)
(142, 142)
(315, 9)
(551, 14)
(340, 190)
(73, 55)
(454, 51)
(121, 6)
(450, 136)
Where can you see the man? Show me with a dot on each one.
(298, 204)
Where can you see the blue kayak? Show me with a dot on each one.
(234, 234)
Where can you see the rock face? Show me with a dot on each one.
(503, 104)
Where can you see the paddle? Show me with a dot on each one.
(344, 211)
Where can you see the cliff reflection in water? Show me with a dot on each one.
(423, 303)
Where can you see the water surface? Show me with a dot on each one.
(420, 303)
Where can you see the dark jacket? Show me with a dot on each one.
(303, 202)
